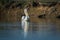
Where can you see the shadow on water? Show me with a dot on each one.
(36, 29)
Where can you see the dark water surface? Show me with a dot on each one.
(42, 29)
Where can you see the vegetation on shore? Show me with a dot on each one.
(10, 11)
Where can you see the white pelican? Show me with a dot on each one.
(26, 16)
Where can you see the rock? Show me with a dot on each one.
(41, 16)
(58, 16)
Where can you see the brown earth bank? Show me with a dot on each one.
(13, 14)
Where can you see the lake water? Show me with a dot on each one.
(38, 29)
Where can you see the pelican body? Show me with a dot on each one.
(25, 17)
